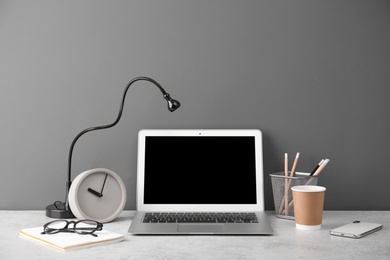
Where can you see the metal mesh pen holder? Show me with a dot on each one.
(281, 188)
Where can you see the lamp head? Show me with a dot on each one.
(172, 103)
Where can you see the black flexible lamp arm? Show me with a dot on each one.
(172, 106)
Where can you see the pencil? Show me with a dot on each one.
(286, 183)
(284, 202)
(285, 164)
(294, 167)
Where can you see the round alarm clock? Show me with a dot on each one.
(97, 194)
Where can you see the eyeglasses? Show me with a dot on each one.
(82, 227)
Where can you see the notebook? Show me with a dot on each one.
(200, 182)
(71, 241)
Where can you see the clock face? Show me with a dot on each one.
(97, 194)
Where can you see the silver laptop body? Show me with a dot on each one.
(200, 182)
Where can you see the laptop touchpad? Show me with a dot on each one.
(193, 228)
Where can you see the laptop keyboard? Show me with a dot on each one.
(217, 217)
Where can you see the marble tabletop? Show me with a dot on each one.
(286, 243)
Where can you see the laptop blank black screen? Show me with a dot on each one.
(200, 170)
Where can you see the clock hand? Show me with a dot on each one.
(94, 192)
(104, 183)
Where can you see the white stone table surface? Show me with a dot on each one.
(286, 243)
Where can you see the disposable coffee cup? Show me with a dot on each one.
(308, 206)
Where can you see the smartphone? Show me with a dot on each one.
(356, 229)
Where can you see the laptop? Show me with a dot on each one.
(200, 182)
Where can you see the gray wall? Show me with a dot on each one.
(312, 75)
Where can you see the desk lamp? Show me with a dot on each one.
(62, 210)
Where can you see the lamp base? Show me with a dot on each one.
(53, 212)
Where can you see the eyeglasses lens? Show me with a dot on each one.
(86, 227)
(55, 226)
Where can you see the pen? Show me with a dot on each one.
(318, 165)
(322, 166)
